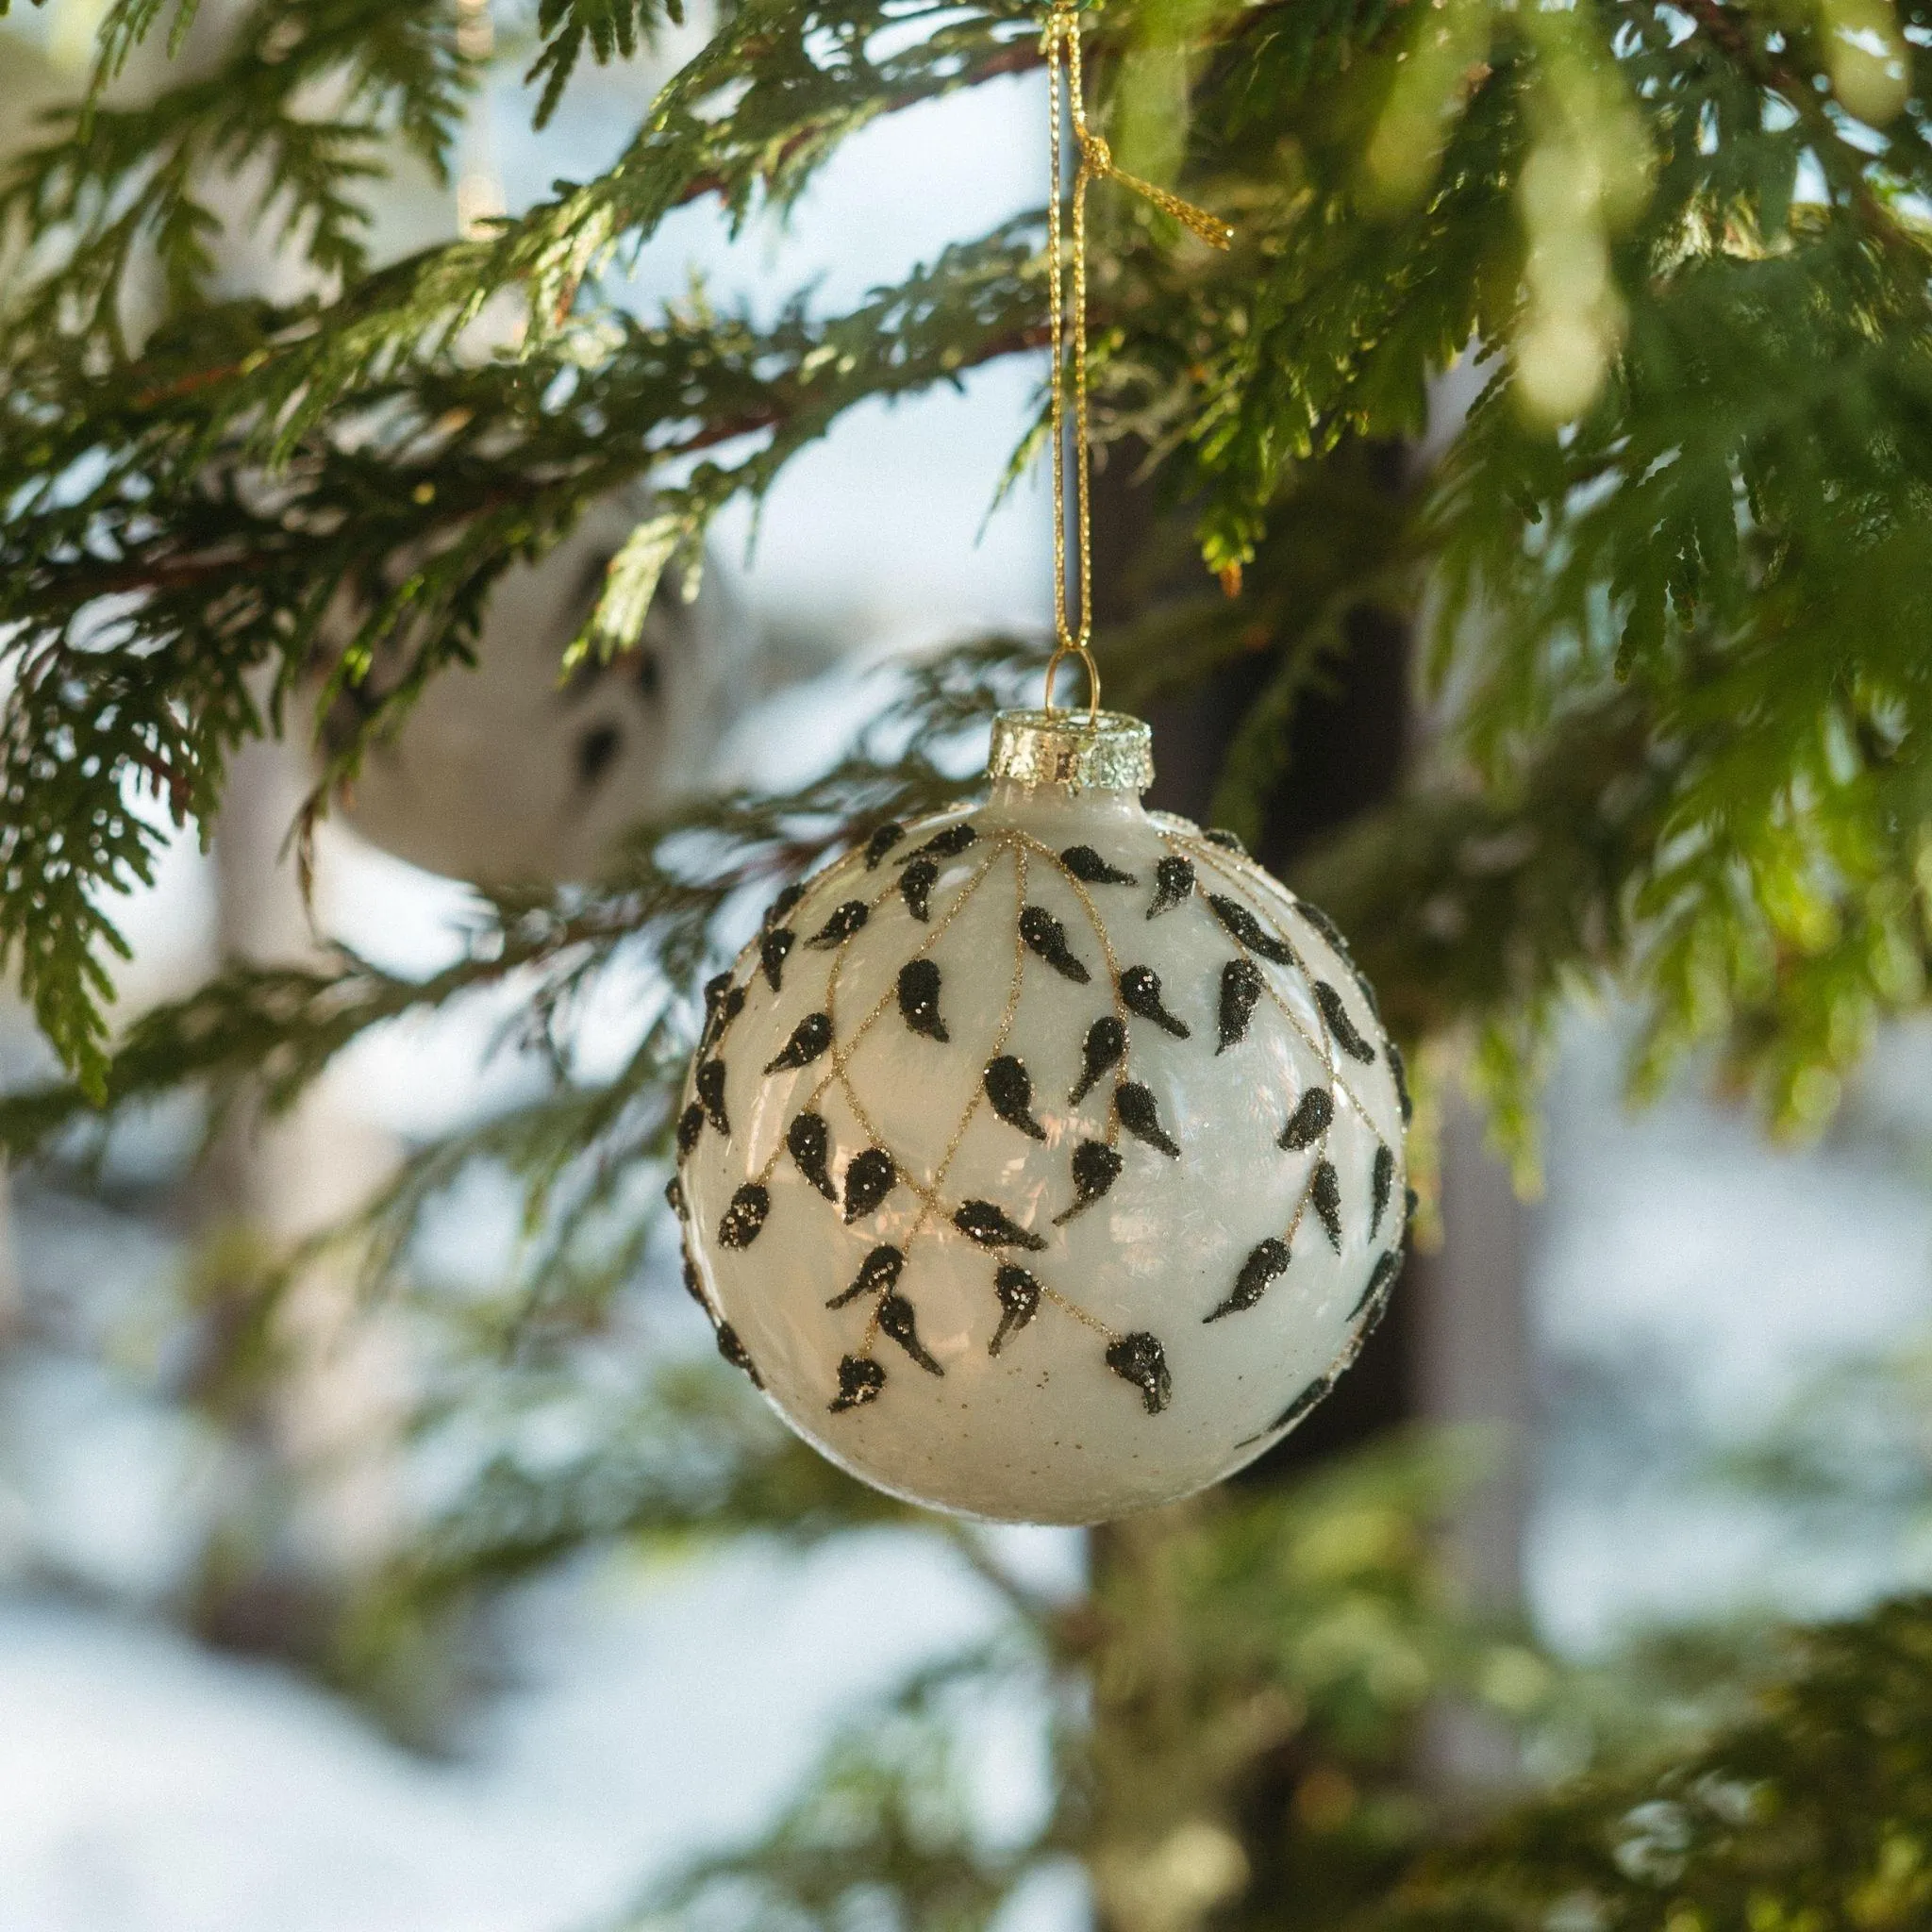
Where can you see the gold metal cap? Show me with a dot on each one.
(1075, 751)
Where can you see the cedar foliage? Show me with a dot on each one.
(1670, 573)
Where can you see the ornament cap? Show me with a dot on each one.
(1072, 751)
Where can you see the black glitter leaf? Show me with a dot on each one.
(745, 1216)
(898, 1317)
(1020, 1297)
(1096, 1167)
(1308, 1122)
(946, 844)
(1047, 936)
(1301, 1405)
(882, 842)
(1010, 1087)
(986, 1223)
(1091, 870)
(693, 1286)
(673, 1198)
(774, 949)
(1173, 881)
(880, 1269)
(809, 1039)
(1341, 1025)
(1410, 1202)
(1266, 1260)
(1138, 1114)
(690, 1123)
(735, 1353)
(1240, 989)
(1106, 1041)
(915, 888)
(1325, 1194)
(1374, 1302)
(1250, 931)
(710, 1084)
(1139, 1359)
(845, 921)
(1327, 927)
(1228, 842)
(870, 1177)
(860, 1380)
(724, 1002)
(783, 904)
(1380, 1282)
(1141, 993)
(1381, 1179)
(919, 998)
(810, 1141)
(1401, 1072)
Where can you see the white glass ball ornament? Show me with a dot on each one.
(1044, 1161)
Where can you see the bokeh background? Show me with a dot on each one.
(1697, 1358)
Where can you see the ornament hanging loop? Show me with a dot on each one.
(1066, 269)
(1060, 656)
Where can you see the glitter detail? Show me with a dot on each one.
(870, 1177)
(1324, 1196)
(1010, 1088)
(809, 1141)
(1240, 989)
(986, 1223)
(1139, 1358)
(1106, 1041)
(774, 949)
(946, 844)
(860, 1380)
(1138, 1114)
(919, 998)
(1266, 1260)
(710, 1084)
(882, 842)
(744, 1217)
(880, 1269)
(1308, 1122)
(1301, 1405)
(1020, 1297)
(1096, 1167)
(1141, 993)
(690, 1123)
(1072, 751)
(898, 1319)
(845, 921)
(673, 1198)
(1173, 882)
(1249, 930)
(1091, 869)
(1047, 936)
(1401, 1072)
(1381, 1179)
(809, 1039)
(1380, 1282)
(1341, 1025)
(782, 905)
(915, 887)
(735, 1353)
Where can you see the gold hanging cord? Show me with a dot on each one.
(1068, 318)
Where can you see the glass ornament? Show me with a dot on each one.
(1044, 1161)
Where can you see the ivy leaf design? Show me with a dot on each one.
(1010, 1088)
(881, 842)
(809, 1039)
(690, 1123)
(1266, 1260)
(845, 921)
(745, 1217)
(1091, 870)
(919, 998)
(1380, 1280)
(1141, 993)
(861, 1380)
(986, 1223)
(809, 1141)
(1173, 883)
(783, 904)
(1020, 1297)
(735, 1352)
(879, 1270)
(946, 844)
(899, 1320)
(869, 1178)
(1308, 1122)
(1325, 1194)
(1139, 1358)
(915, 887)
(1381, 1180)
(1106, 1041)
(1141, 1116)
(1341, 1025)
(709, 1085)
(1401, 1072)
(1240, 989)
(1249, 930)
(1096, 1167)
(1045, 935)
(774, 950)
